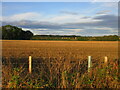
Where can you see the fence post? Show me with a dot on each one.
(89, 63)
(30, 64)
(106, 59)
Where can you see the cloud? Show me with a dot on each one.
(94, 32)
(110, 5)
(104, 12)
(103, 28)
(77, 30)
(60, 19)
(69, 12)
(37, 29)
(108, 21)
(79, 25)
(34, 24)
(22, 16)
(86, 17)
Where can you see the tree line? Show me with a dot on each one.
(76, 38)
(14, 33)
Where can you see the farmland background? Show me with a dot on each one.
(60, 64)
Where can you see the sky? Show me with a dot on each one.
(63, 18)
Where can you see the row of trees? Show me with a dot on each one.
(76, 38)
(14, 33)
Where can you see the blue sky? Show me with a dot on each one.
(62, 18)
(10, 8)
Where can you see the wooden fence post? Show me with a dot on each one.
(89, 63)
(106, 59)
(30, 64)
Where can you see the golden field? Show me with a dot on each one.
(57, 49)
(59, 64)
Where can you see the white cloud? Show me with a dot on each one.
(22, 16)
(112, 30)
(103, 28)
(103, 12)
(75, 30)
(0, 18)
(25, 29)
(110, 5)
(69, 12)
(60, 19)
(40, 29)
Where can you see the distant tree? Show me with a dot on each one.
(28, 34)
(14, 33)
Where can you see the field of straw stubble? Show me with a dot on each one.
(59, 64)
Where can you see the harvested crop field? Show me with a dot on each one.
(60, 64)
(57, 49)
